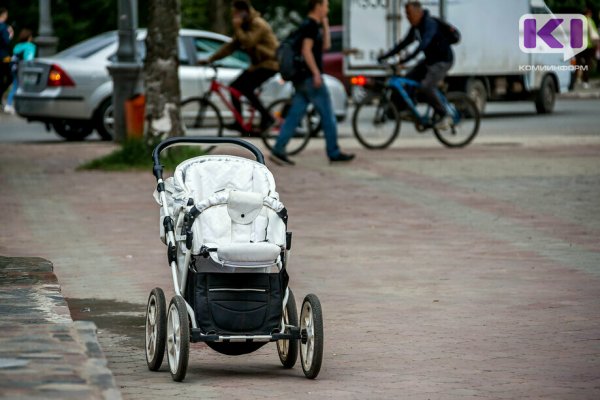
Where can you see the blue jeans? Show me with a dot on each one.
(307, 93)
(13, 89)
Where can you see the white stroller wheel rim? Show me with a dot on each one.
(311, 330)
(155, 327)
(178, 338)
(283, 346)
(307, 323)
(151, 329)
(173, 339)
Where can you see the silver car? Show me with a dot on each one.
(72, 90)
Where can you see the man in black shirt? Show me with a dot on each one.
(438, 56)
(310, 87)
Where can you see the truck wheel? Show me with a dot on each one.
(478, 93)
(546, 96)
(104, 120)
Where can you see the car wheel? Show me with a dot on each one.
(73, 131)
(105, 120)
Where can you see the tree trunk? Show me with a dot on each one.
(161, 79)
(218, 13)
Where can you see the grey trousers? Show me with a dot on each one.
(430, 76)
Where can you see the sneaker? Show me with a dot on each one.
(586, 85)
(9, 109)
(443, 123)
(407, 115)
(342, 158)
(281, 159)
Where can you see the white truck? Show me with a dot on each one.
(488, 65)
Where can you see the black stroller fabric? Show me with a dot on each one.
(237, 303)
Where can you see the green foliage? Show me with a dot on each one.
(76, 20)
(194, 14)
(135, 154)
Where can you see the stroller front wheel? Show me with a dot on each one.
(156, 329)
(311, 330)
(178, 338)
(288, 349)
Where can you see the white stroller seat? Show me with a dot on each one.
(239, 209)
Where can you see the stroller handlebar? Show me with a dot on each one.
(158, 168)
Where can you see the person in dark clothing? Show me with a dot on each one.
(310, 88)
(438, 57)
(253, 35)
(6, 34)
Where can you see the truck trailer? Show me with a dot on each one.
(488, 64)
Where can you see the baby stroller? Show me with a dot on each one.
(228, 249)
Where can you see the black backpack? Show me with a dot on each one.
(449, 31)
(289, 57)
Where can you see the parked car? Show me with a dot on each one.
(333, 59)
(72, 90)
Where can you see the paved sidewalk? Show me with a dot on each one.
(467, 274)
(43, 354)
(579, 92)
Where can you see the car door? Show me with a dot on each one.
(189, 82)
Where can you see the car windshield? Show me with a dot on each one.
(336, 42)
(207, 46)
(89, 47)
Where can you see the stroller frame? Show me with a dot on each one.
(182, 324)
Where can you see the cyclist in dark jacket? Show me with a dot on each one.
(438, 56)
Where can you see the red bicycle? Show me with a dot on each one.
(202, 117)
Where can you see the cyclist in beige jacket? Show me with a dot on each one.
(253, 35)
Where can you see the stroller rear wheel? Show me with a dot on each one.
(178, 338)
(156, 329)
(288, 349)
(311, 330)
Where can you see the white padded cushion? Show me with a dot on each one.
(244, 207)
(211, 181)
(202, 176)
(266, 253)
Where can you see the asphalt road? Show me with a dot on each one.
(501, 119)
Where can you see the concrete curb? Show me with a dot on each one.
(580, 95)
(43, 353)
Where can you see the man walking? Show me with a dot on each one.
(310, 88)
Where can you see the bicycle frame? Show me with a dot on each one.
(221, 89)
(400, 83)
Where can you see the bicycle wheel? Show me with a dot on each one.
(279, 109)
(376, 122)
(465, 121)
(201, 118)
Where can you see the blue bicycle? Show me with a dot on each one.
(376, 119)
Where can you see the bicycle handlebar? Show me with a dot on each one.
(393, 68)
